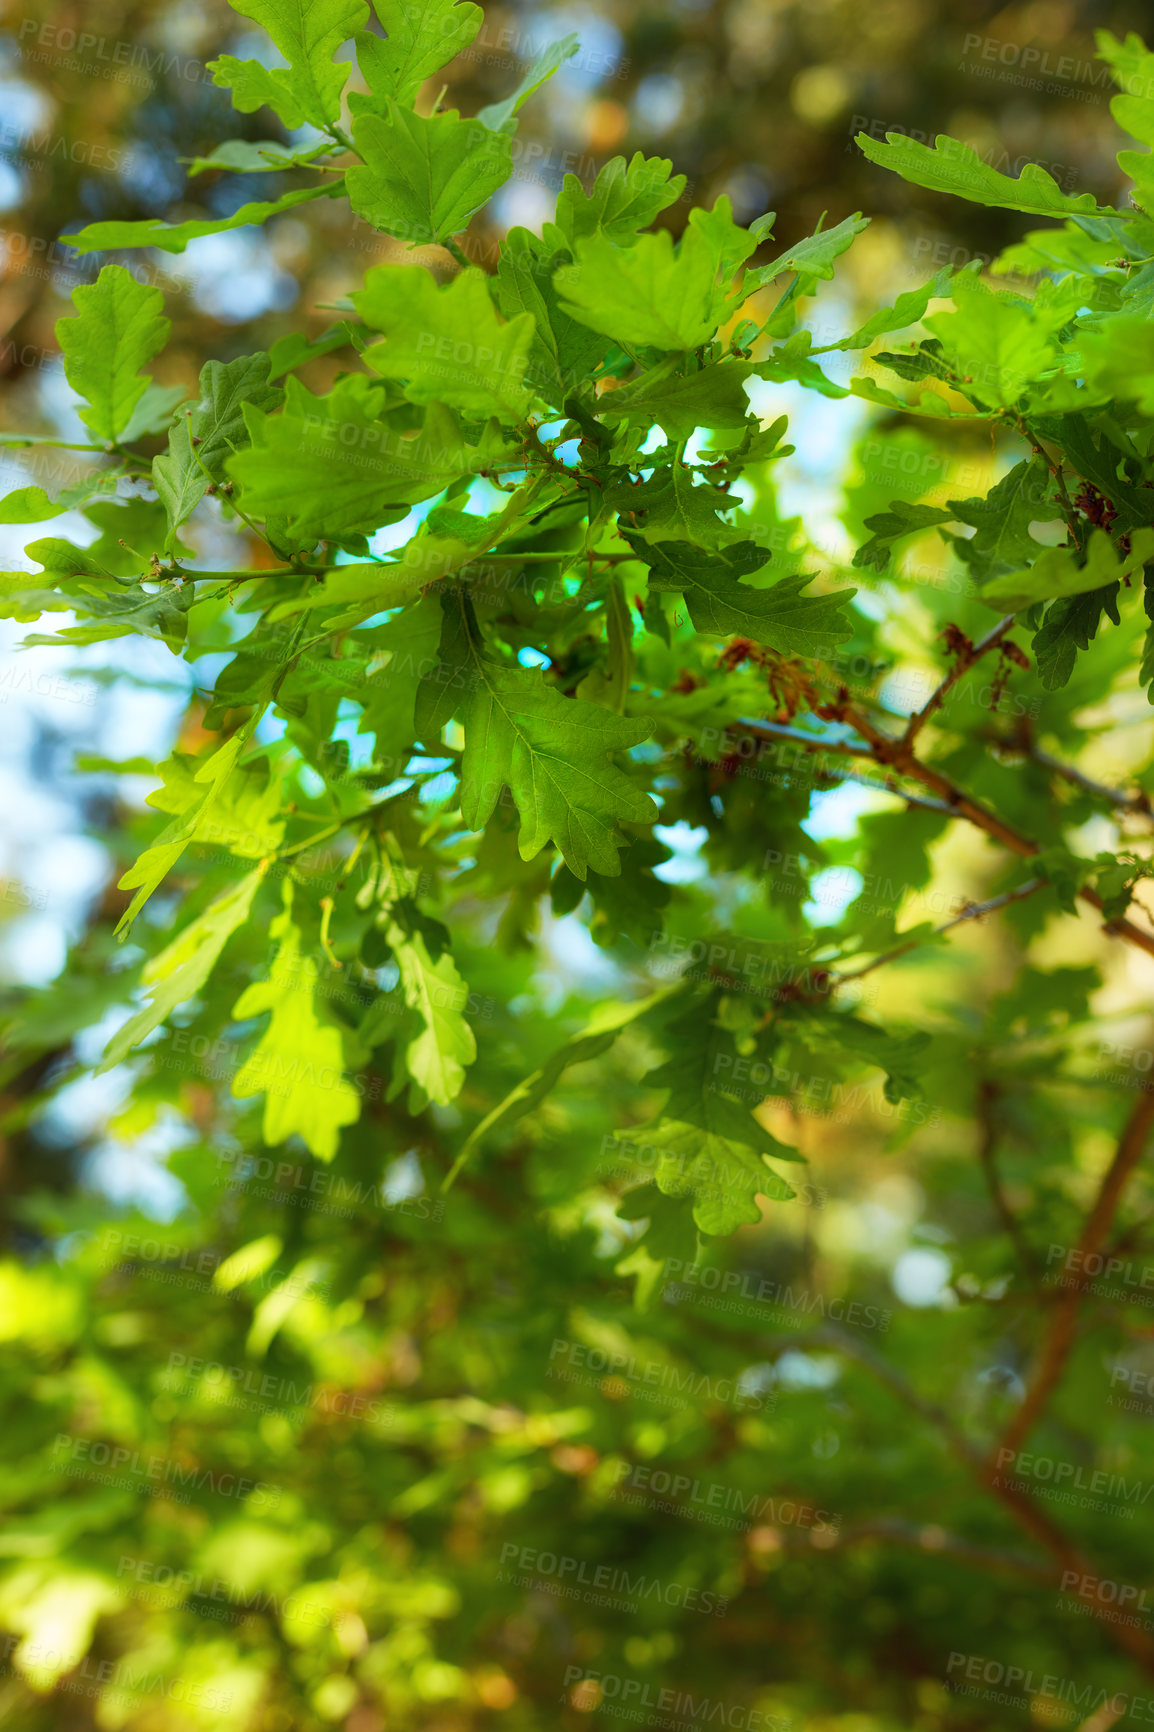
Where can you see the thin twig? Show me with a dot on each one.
(1139, 801)
(987, 1095)
(962, 665)
(899, 755)
(973, 911)
(929, 1537)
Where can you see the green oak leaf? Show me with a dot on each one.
(446, 344)
(420, 37)
(651, 294)
(239, 156)
(552, 752)
(174, 237)
(1056, 572)
(114, 609)
(903, 1057)
(201, 440)
(670, 1237)
(954, 167)
(201, 800)
(709, 1147)
(625, 198)
(997, 345)
(298, 1064)
(594, 1039)
(29, 505)
(680, 402)
(181, 969)
(499, 116)
(1068, 628)
(331, 465)
(780, 616)
(437, 1054)
(422, 179)
(889, 526)
(812, 257)
(562, 351)
(1002, 519)
(673, 506)
(906, 310)
(308, 34)
(404, 650)
(119, 326)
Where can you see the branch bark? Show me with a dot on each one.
(1019, 1504)
(965, 661)
(1064, 1321)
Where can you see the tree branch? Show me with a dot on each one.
(900, 756)
(929, 1537)
(1064, 1322)
(964, 662)
(974, 911)
(987, 1095)
(1019, 1504)
(1138, 801)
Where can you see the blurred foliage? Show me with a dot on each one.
(331, 1445)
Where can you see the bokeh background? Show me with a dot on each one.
(101, 105)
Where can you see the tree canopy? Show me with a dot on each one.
(638, 986)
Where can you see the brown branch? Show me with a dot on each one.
(1064, 1322)
(899, 755)
(974, 911)
(929, 1537)
(987, 1095)
(965, 661)
(1138, 802)
(1019, 1504)
(890, 786)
